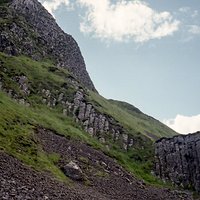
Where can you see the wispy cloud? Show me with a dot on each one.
(190, 27)
(184, 9)
(195, 13)
(53, 5)
(184, 124)
(125, 20)
(194, 29)
(187, 10)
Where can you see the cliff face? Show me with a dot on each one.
(28, 29)
(178, 160)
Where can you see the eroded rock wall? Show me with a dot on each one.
(178, 160)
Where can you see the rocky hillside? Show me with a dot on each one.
(28, 29)
(102, 178)
(178, 160)
(56, 128)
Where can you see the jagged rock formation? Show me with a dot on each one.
(178, 160)
(28, 29)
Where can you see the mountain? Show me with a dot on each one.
(147, 125)
(56, 130)
(30, 30)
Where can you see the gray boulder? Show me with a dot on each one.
(73, 171)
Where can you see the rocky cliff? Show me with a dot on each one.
(28, 29)
(178, 160)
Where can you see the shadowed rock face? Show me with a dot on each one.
(178, 160)
(34, 32)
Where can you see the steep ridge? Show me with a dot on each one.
(178, 160)
(28, 29)
(149, 126)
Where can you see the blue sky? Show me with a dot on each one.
(142, 52)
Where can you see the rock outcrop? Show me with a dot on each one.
(178, 160)
(99, 125)
(28, 29)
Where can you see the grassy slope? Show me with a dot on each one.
(18, 122)
(131, 118)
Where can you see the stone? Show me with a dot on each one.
(177, 160)
(130, 144)
(91, 131)
(77, 101)
(1, 85)
(10, 93)
(81, 113)
(47, 93)
(22, 80)
(22, 101)
(65, 112)
(106, 126)
(102, 140)
(117, 133)
(60, 97)
(92, 116)
(125, 141)
(88, 110)
(44, 101)
(54, 102)
(73, 171)
(96, 123)
(101, 124)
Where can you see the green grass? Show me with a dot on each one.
(131, 118)
(17, 137)
(139, 170)
(40, 76)
(17, 126)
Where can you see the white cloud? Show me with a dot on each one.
(184, 124)
(126, 20)
(194, 29)
(189, 12)
(195, 13)
(184, 9)
(53, 5)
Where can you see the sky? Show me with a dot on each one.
(146, 53)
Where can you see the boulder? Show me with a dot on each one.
(73, 171)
